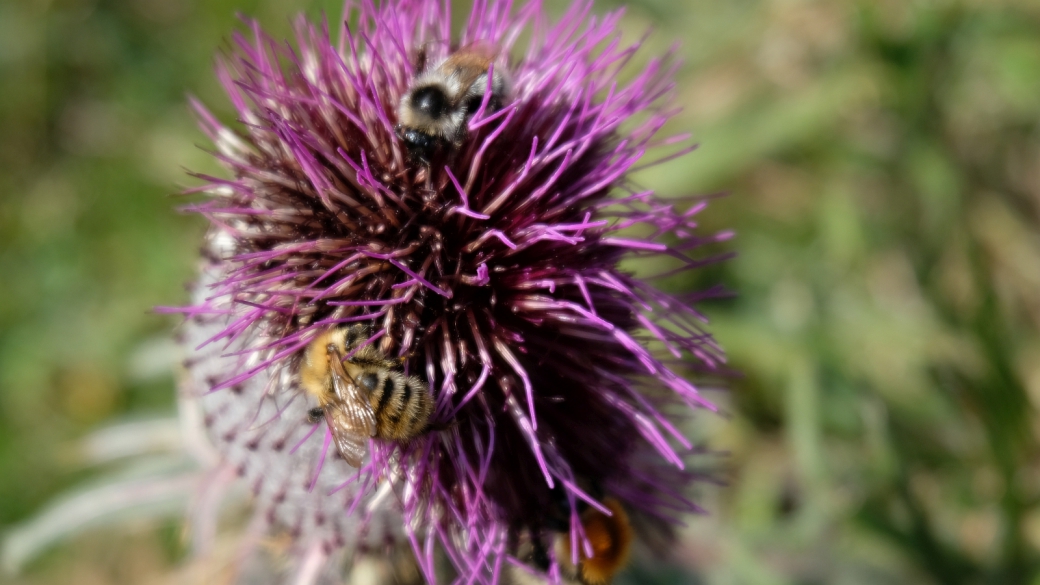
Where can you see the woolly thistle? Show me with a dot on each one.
(493, 272)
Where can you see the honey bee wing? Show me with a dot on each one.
(355, 409)
(351, 444)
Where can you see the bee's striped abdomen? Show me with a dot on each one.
(423, 405)
(403, 407)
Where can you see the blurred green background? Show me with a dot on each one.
(882, 161)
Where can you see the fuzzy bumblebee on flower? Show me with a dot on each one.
(411, 325)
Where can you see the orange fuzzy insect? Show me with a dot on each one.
(611, 540)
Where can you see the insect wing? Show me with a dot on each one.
(352, 445)
(349, 415)
(351, 400)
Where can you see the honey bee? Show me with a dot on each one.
(610, 537)
(433, 112)
(365, 395)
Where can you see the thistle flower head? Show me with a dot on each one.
(492, 271)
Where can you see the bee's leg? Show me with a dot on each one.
(315, 415)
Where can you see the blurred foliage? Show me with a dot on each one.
(882, 161)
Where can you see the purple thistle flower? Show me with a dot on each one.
(494, 273)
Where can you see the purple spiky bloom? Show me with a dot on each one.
(496, 275)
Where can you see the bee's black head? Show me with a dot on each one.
(421, 146)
